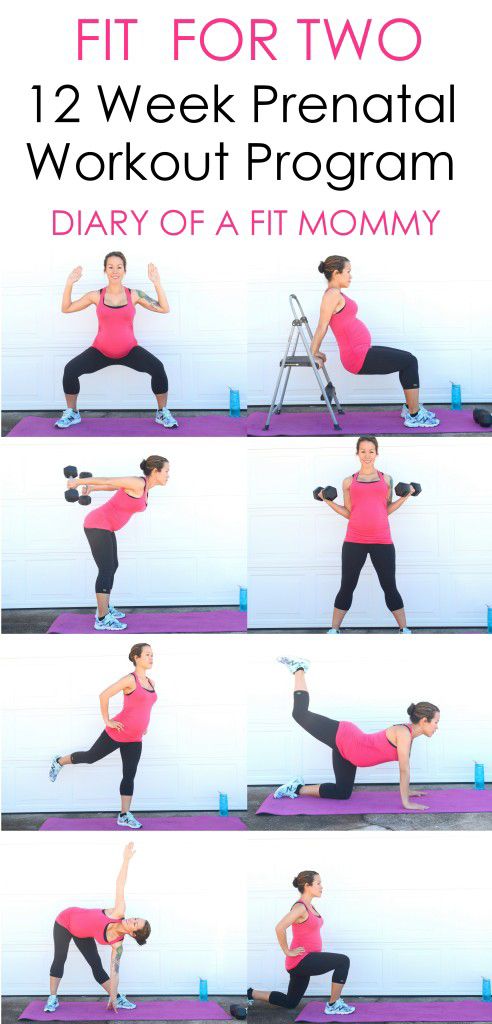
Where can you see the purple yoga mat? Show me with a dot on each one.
(382, 421)
(225, 620)
(154, 1009)
(195, 823)
(439, 801)
(122, 426)
(385, 1012)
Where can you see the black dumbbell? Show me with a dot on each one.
(403, 489)
(238, 1011)
(72, 495)
(482, 417)
(329, 493)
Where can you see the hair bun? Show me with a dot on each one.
(411, 709)
(321, 267)
(295, 883)
(143, 465)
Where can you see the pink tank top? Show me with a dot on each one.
(369, 523)
(306, 934)
(352, 336)
(116, 512)
(88, 924)
(115, 337)
(365, 749)
(135, 714)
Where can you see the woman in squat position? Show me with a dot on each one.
(105, 927)
(115, 343)
(367, 503)
(352, 748)
(124, 732)
(100, 526)
(304, 957)
(357, 353)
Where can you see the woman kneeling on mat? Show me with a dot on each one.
(353, 338)
(115, 343)
(105, 927)
(124, 732)
(352, 748)
(304, 957)
(367, 504)
(100, 526)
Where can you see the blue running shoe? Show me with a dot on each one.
(289, 789)
(115, 613)
(109, 623)
(68, 418)
(165, 419)
(332, 630)
(338, 1008)
(294, 664)
(128, 821)
(52, 1004)
(424, 418)
(55, 769)
(124, 1004)
(405, 630)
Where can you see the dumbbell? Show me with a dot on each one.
(238, 1011)
(329, 493)
(72, 495)
(403, 489)
(482, 417)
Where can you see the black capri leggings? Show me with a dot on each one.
(383, 558)
(88, 948)
(104, 745)
(311, 964)
(105, 554)
(92, 360)
(380, 359)
(325, 730)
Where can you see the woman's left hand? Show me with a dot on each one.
(113, 1004)
(153, 273)
(86, 489)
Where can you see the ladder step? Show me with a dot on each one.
(296, 361)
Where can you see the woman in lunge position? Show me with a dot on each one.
(357, 353)
(115, 343)
(100, 526)
(351, 748)
(304, 957)
(89, 927)
(125, 732)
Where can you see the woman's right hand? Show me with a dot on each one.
(75, 275)
(320, 358)
(295, 952)
(129, 851)
(114, 724)
(113, 1003)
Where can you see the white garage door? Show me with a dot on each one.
(442, 538)
(188, 547)
(167, 884)
(194, 749)
(368, 682)
(412, 921)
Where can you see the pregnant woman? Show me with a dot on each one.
(367, 503)
(101, 525)
(89, 928)
(304, 957)
(115, 343)
(357, 353)
(125, 732)
(352, 748)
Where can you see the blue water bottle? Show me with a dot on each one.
(234, 403)
(479, 776)
(455, 396)
(486, 993)
(223, 805)
(489, 619)
(243, 599)
(203, 990)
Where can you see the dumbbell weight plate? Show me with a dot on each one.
(72, 495)
(70, 472)
(85, 499)
(317, 493)
(417, 488)
(402, 490)
(84, 476)
(330, 493)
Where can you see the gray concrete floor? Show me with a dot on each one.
(364, 822)
(32, 822)
(39, 620)
(11, 418)
(12, 1006)
(262, 1013)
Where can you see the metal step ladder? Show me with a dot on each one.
(300, 329)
